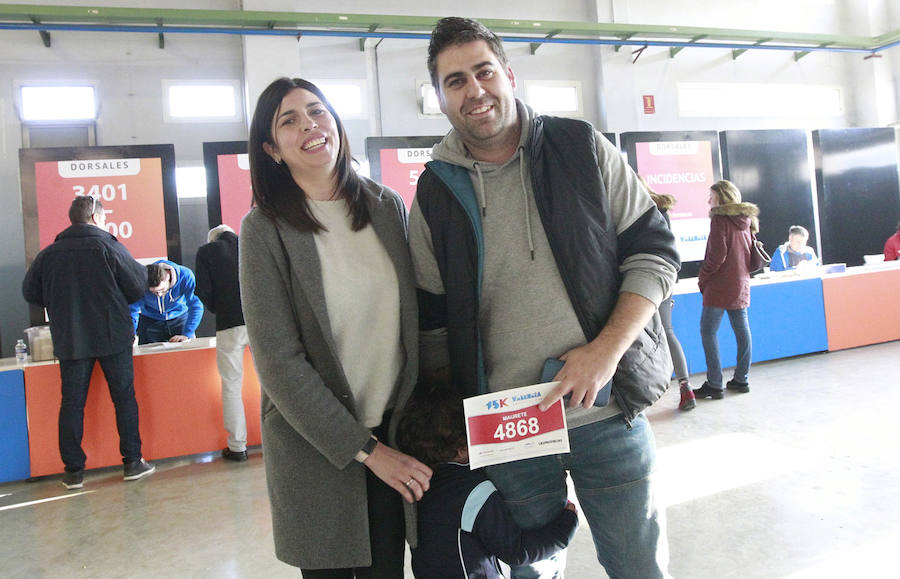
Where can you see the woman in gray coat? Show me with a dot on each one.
(330, 307)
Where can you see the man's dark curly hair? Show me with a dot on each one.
(454, 31)
(433, 427)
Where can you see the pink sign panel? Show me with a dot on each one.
(683, 169)
(235, 192)
(400, 170)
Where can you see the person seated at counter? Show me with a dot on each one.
(794, 252)
(170, 311)
(892, 246)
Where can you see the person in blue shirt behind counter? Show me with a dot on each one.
(169, 310)
(794, 251)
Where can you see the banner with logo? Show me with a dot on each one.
(508, 425)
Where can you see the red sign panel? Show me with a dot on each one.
(400, 170)
(130, 189)
(235, 192)
(649, 104)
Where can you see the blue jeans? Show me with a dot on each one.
(150, 330)
(76, 379)
(611, 468)
(710, 320)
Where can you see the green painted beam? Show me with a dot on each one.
(618, 47)
(537, 29)
(737, 52)
(802, 53)
(45, 36)
(535, 45)
(676, 49)
(362, 41)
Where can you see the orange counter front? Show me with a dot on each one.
(862, 307)
(180, 409)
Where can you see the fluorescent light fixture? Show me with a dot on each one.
(190, 182)
(58, 103)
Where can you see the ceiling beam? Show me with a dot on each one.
(45, 18)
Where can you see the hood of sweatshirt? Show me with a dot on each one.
(452, 149)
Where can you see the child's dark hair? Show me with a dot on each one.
(433, 426)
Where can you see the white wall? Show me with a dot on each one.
(128, 70)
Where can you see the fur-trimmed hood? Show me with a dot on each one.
(739, 212)
(748, 209)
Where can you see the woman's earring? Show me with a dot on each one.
(277, 159)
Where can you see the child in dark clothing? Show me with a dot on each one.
(464, 525)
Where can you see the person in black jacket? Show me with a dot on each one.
(86, 279)
(464, 526)
(219, 290)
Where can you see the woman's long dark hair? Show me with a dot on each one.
(274, 190)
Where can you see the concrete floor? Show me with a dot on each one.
(798, 479)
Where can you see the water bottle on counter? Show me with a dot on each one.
(21, 352)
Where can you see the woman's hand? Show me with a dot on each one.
(403, 473)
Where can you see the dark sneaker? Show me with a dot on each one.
(138, 469)
(742, 387)
(688, 400)
(235, 455)
(707, 391)
(73, 480)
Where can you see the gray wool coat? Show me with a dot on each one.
(310, 432)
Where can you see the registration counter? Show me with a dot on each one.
(786, 314)
(793, 313)
(179, 399)
(862, 305)
(179, 394)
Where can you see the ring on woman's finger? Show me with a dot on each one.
(409, 482)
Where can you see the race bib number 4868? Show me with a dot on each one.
(508, 426)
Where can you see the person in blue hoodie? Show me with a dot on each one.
(794, 251)
(169, 310)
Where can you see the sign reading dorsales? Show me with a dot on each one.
(130, 189)
(508, 425)
(401, 168)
